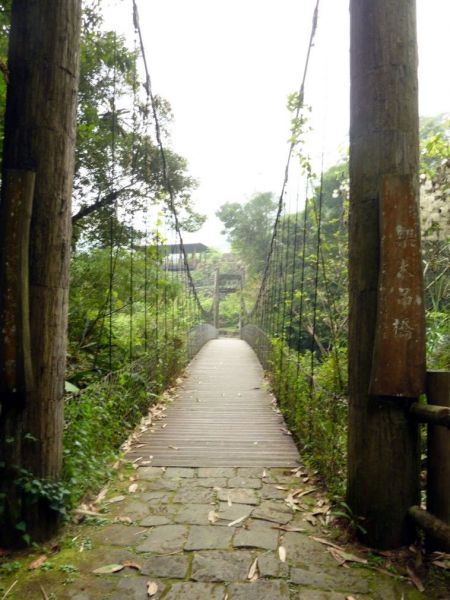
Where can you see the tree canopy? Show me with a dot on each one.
(249, 228)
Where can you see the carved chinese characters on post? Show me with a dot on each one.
(398, 367)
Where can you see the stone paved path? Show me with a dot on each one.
(207, 531)
(161, 527)
(223, 416)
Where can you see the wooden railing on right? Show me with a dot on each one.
(435, 521)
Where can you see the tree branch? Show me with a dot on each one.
(107, 200)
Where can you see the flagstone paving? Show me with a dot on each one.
(206, 549)
(219, 521)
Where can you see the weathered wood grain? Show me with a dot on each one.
(223, 416)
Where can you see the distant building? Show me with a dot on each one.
(174, 259)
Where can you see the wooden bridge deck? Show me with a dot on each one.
(222, 416)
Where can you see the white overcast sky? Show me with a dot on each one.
(227, 67)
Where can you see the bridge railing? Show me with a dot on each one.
(260, 342)
(198, 336)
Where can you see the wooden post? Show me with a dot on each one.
(243, 315)
(43, 63)
(383, 451)
(216, 300)
(438, 467)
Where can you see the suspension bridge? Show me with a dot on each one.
(219, 503)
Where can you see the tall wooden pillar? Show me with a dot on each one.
(386, 337)
(216, 300)
(38, 164)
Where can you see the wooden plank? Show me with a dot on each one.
(222, 416)
(398, 367)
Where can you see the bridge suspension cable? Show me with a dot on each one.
(166, 178)
(300, 103)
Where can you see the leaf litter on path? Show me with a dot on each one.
(152, 588)
(253, 571)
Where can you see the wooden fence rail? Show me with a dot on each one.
(435, 521)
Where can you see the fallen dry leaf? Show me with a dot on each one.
(116, 499)
(441, 565)
(282, 553)
(441, 560)
(415, 579)
(253, 571)
(290, 501)
(133, 488)
(152, 588)
(288, 528)
(229, 501)
(237, 521)
(212, 516)
(87, 513)
(132, 565)
(300, 494)
(174, 447)
(342, 557)
(38, 562)
(281, 487)
(101, 495)
(323, 510)
(310, 519)
(125, 520)
(326, 543)
(10, 589)
(43, 592)
(107, 569)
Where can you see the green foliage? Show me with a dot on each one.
(100, 418)
(5, 19)
(315, 409)
(343, 511)
(10, 567)
(145, 304)
(311, 285)
(435, 221)
(118, 167)
(249, 229)
(230, 310)
(438, 340)
(33, 490)
(434, 143)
